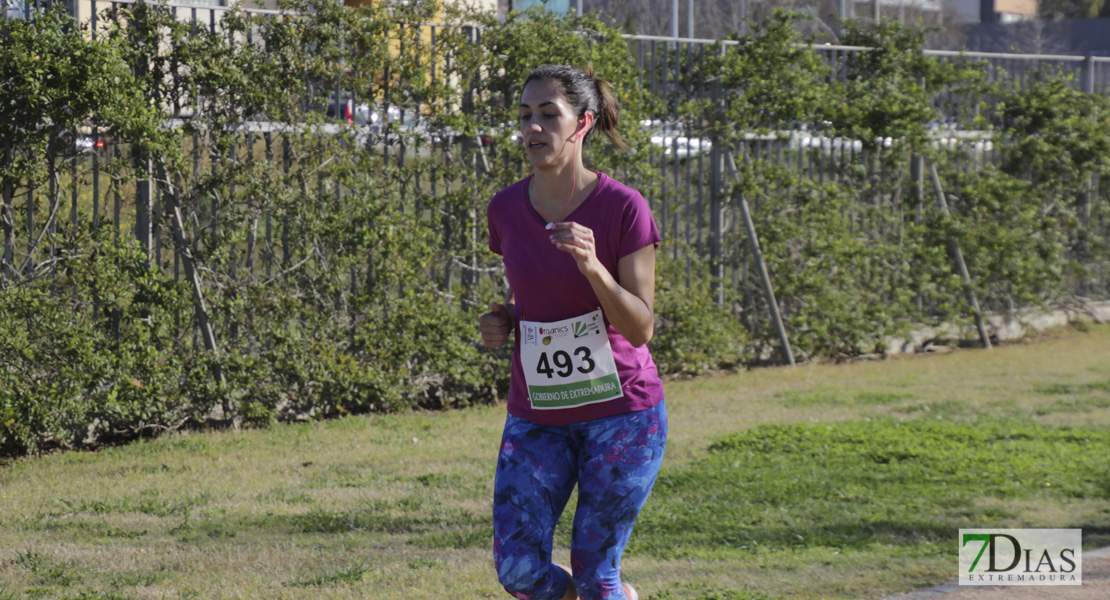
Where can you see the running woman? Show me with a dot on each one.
(585, 402)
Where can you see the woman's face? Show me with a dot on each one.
(547, 123)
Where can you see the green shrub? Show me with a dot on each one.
(693, 334)
(104, 363)
(344, 273)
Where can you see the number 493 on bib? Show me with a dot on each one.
(568, 363)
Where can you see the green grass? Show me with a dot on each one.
(839, 482)
(860, 485)
(340, 576)
(833, 397)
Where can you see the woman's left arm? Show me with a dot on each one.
(629, 300)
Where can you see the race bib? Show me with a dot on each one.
(568, 363)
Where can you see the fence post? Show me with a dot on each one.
(1088, 77)
(917, 184)
(961, 266)
(1087, 197)
(846, 12)
(144, 205)
(716, 227)
(144, 188)
(716, 190)
(764, 275)
(181, 245)
(469, 149)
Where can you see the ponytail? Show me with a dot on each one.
(608, 114)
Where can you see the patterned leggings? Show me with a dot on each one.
(614, 461)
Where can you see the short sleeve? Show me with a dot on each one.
(494, 232)
(638, 226)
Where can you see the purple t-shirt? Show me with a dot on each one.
(548, 286)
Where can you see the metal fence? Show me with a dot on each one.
(685, 195)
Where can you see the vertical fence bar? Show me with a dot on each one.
(156, 221)
(116, 200)
(74, 184)
(30, 216)
(216, 159)
(96, 181)
(682, 207)
(144, 210)
(269, 253)
(1087, 76)
(6, 221)
(716, 222)
(51, 224)
(286, 165)
(252, 231)
(640, 62)
(176, 202)
(232, 160)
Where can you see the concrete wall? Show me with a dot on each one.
(1001, 328)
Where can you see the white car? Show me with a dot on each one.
(671, 136)
(14, 9)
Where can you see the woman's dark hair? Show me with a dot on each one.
(585, 93)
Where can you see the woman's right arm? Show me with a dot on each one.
(497, 324)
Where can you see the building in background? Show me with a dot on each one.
(484, 5)
(1007, 11)
(1085, 37)
(976, 25)
(559, 7)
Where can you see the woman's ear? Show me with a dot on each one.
(587, 122)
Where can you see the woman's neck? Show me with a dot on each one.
(551, 190)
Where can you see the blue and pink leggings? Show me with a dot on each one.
(614, 461)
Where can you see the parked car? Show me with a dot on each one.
(803, 140)
(410, 124)
(87, 143)
(342, 108)
(672, 137)
(387, 127)
(76, 142)
(14, 9)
